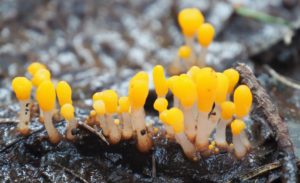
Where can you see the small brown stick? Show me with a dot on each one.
(71, 172)
(153, 166)
(282, 79)
(91, 129)
(266, 113)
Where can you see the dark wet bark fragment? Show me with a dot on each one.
(265, 110)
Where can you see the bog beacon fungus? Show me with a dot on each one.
(22, 88)
(124, 110)
(46, 97)
(67, 111)
(138, 92)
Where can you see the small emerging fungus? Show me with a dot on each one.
(34, 67)
(67, 111)
(228, 110)
(238, 139)
(124, 108)
(110, 98)
(22, 88)
(64, 93)
(174, 117)
(185, 90)
(242, 98)
(160, 105)
(99, 107)
(206, 34)
(183, 54)
(190, 19)
(138, 92)
(206, 89)
(46, 96)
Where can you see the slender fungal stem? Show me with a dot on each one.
(71, 125)
(23, 126)
(53, 134)
(189, 41)
(204, 129)
(221, 134)
(240, 149)
(103, 124)
(127, 126)
(114, 131)
(187, 147)
(201, 61)
(189, 123)
(138, 120)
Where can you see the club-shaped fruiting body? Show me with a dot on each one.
(233, 78)
(185, 90)
(160, 81)
(227, 112)
(40, 76)
(46, 96)
(171, 82)
(100, 109)
(206, 33)
(190, 19)
(242, 98)
(239, 138)
(110, 98)
(138, 92)
(22, 88)
(64, 93)
(221, 95)
(206, 89)
(174, 118)
(67, 111)
(124, 109)
(34, 67)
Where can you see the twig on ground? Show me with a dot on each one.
(282, 79)
(98, 133)
(71, 172)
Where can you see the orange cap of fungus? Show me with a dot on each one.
(242, 98)
(40, 76)
(227, 110)
(97, 96)
(138, 93)
(222, 88)
(46, 96)
(206, 34)
(190, 19)
(142, 75)
(159, 80)
(185, 90)
(233, 77)
(184, 52)
(124, 104)
(173, 117)
(160, 104)
(64, 93)
(171, 82)
(237, 126)
(67, 111)
(22, 88)
(34, 67)
(110, 98)
(206, 88)
(99, 107)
